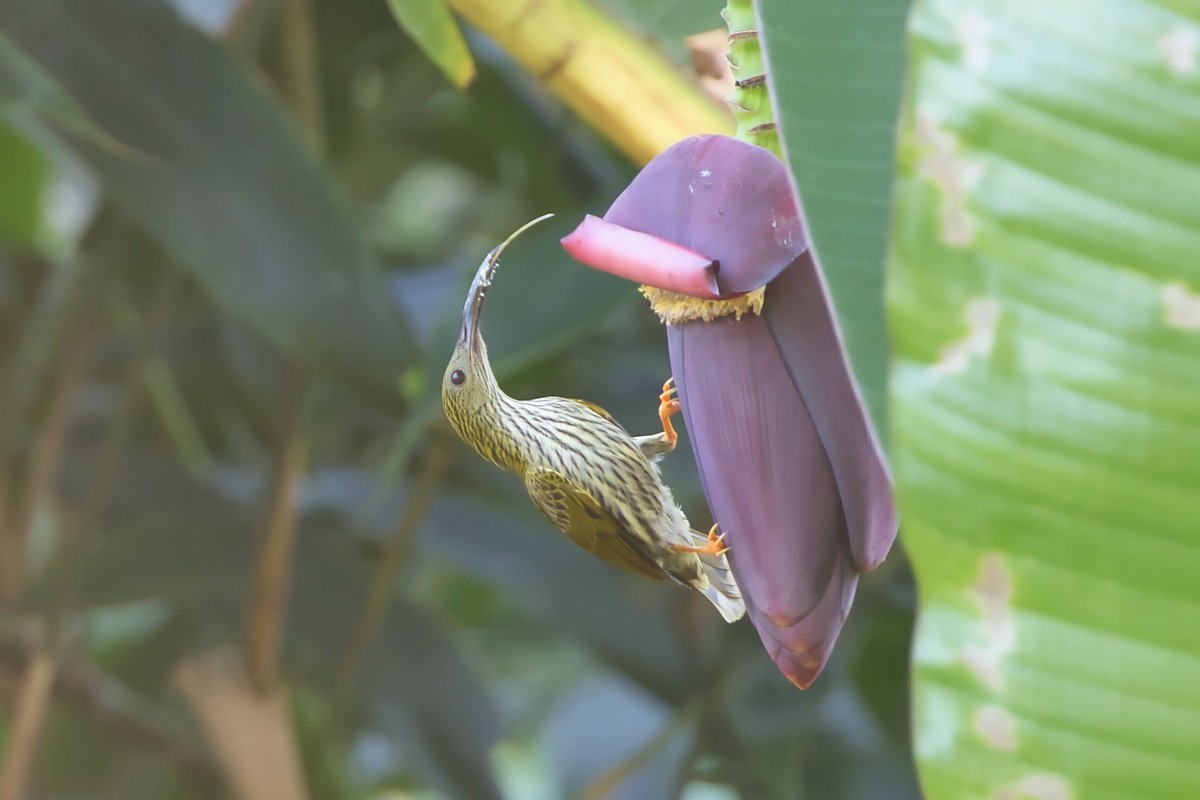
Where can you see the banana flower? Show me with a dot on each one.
(787, 456)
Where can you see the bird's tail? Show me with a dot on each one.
(722, 590)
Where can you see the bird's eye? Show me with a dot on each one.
(458, 377)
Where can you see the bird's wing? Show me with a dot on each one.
(599, 411)
(653, 446)
(576, 513)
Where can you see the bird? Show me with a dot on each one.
(581, 468)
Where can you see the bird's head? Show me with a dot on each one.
(468, 380)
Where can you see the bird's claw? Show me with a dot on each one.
(668, 406)
(716, 545)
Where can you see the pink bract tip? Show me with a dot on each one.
(643, 258)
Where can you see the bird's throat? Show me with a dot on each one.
(489, 424)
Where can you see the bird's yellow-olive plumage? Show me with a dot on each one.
(582, 469)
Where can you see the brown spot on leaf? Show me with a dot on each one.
(1035, 786)
(1181, 307)
(981, 315)
(1178, 48)
(555, 67)
(997, 727)
(984, 664)
(993, 589)
(973, 31)
(940, 162)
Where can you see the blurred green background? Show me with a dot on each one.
(185, 349)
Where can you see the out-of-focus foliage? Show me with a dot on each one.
(273, 226)
(1044, 294)
(668, 22)
(211, 168)
(26, 175)
(434, 29)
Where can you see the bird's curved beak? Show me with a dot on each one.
(470, 336)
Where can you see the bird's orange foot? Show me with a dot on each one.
(668, 406)
(716, 545)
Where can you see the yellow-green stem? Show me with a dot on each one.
(751, 101)
(619, 83)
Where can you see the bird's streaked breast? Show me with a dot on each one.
(595, 452)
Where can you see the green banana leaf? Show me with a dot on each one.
(1044, 305)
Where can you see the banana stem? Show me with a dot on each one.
(751, 101)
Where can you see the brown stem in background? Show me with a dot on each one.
(39, 677)
(251, 733)
(33, 696)
(300, 66)
(47, 364)
(108, 700)
(12, 550)
(57, 311)
(106, 463)
(43, 466)
(248, 23)
(273, 571)
(48, 446)
(37, 682)
(69, 556)
(383, 578)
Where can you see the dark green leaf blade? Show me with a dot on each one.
(835, 78)
(609, 738)
(221, 179)
(191, 548)
(24, 84)
(430, 701)
(559, 583)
